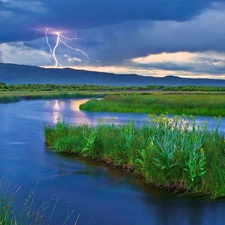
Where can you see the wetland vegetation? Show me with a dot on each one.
(87, 87)
(16, 92)
(172, 153)
(13, 211)
(26, 214)
(189, 100)
(209, 104)
(176, 154)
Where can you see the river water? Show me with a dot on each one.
(102, 195)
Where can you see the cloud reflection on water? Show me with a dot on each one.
(59, 107)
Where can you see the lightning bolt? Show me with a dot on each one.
(47, 41)
(36, 33)
(60, 39)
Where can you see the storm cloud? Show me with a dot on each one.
(115, 33)
(20, 17)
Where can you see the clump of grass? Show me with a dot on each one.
(173, 153)
(13, 212)
(189, 104)
(27, 213)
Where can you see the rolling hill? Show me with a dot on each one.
(23, 74)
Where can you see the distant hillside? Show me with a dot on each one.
(22, 74)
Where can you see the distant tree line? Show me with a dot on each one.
(72, 87)
(193, 88)
(88, 87)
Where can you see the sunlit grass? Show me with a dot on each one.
(189, 104)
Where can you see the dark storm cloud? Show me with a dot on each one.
(20, 18)
(119, 43)
(89, 13)
(115, 32)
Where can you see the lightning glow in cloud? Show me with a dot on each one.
(60, 39)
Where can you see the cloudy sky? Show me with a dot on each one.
(148, 37)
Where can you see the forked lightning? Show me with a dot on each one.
(60, 39)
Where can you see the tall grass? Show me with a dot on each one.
(189, 104)
(16, 97)
(12, 215)
(29, 211)
(49, 95)
(175, 153)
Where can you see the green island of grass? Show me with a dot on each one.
(172, 153)
(207, 104)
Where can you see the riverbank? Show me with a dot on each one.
(18, 96)
(189, 100)
(207, 104)
(174, 154)
(157, 102)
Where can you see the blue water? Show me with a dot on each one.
(101, 194)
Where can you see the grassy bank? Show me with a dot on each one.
(189, 104)
(17, 96)
(176, 154)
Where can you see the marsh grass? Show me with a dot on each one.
(26, 214)
(17, 96)
(7, 99)
(49, 95)
(173, 153)
(189, 104)
(31, 211)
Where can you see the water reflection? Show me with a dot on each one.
(75, 104)
(56, 107)
(69, 110)
(59, 108)
(79, 116)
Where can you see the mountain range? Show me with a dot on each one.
(24, 74)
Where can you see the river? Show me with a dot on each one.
(102, 195)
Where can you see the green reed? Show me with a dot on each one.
(26, 214)
(175, 153)
(17, 96)
(189, 104)
(14, 211)
(8, 99)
